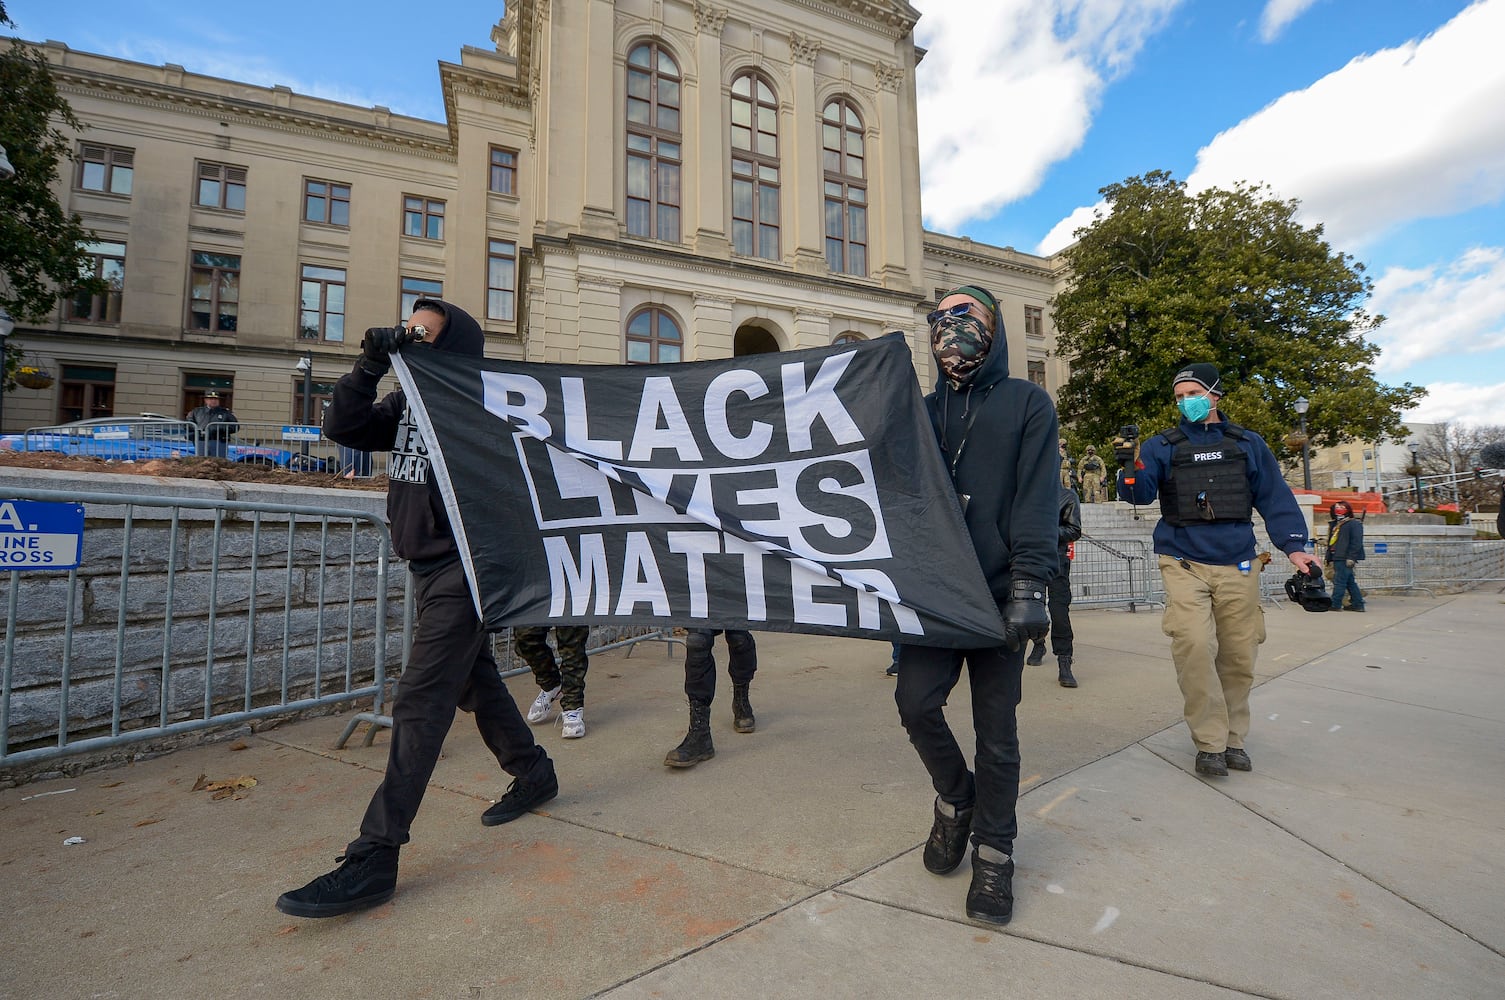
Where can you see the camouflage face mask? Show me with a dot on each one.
(961, 345)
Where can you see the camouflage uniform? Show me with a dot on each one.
(1091, 470)
(568, 672)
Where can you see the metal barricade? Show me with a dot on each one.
(301, 448)
(187, 614)
(1113, 572)
(602, 638)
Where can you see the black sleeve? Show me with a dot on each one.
(1071, 518)
(1035, 514)
(356, 420)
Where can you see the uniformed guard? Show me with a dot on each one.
(1092, 471)
(1211, 475)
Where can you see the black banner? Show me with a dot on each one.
(797, 492)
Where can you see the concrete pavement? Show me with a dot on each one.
(1361, 857)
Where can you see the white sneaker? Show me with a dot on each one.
(543, 705)
(573, 722)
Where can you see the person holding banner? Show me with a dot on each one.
(451, 665)
(999, 439)
(700, 689)
(562, 679)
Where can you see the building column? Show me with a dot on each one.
(806, 170)
(812, 328)
(887, 215)
(601, 140)
(713, 334)
(703, 106)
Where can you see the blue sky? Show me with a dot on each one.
(1383, 117)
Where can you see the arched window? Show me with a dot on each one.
(653, 338)
(848, 338)
(755, 168)
(653, 144)
(846, 188)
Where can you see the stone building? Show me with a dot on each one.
(615, 182)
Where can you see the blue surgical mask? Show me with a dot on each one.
(1195, 408)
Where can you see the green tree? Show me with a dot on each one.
(41, 247)
(1228, 276)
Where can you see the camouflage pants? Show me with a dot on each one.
(568, 671)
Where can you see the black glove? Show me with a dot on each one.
(379, 343)
(1024, 615)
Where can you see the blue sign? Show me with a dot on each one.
(111, 432)
(301, 432)
(1380, 548)
(36, 535)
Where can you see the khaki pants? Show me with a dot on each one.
(1215, 623)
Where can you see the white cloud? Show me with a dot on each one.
(1061, 234)
(1453, 310)
(1406, 133)
(1279, 13)
(1009, 88)
(1461, 403)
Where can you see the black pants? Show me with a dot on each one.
(926, 677)
(1058, 601)
(451, 667)
(700, 665)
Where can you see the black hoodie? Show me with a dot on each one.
(421, 531)
(1000, 438)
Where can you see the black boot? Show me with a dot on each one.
(742, 713)
(368, 880)
(991, 896)
(1036, 655)
(1063, 668)
(697, 742)
(948, 839)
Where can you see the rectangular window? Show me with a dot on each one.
(319, 400)
(197, 384)
(108, 264)
(414, 289)
(214, 292)
(423, 218)
(501, 280)
(221, 186)
(85, 393)
(327, 202)
(321, 304)
(1034, 321)
(106, 169)
(1037, 373)
(503, 171)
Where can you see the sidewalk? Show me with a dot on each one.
(1360, 858)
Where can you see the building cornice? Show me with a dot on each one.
(697, 264)
(267, 115)
(986, 255)
(456, 80)
(899, 18)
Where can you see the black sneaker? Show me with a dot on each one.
(948, 840)
(1237, 759)
(520, 796)
(1211, 763)
(991, 897)
(1036, 655)
(358, 883)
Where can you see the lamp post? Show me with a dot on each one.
(306, 366)
(6, 326)
(1416, 474)
(1302, 405)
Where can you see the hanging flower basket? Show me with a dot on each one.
(33, 378)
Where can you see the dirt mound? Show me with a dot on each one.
(186, 468)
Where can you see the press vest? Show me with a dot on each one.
(1209, 483)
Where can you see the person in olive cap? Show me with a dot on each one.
(1211, 475)
(998, 436)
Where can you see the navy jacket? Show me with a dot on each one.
(1345, 540)
(1228, 543)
